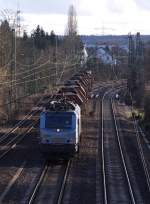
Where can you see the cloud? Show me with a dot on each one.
(115, 6)
(46, 21)
(117, 16)
(143, 4)
(38, 6)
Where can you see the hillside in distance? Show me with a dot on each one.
(120, 40)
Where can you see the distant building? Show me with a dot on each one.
(108, 53)
(84, 56)
(104, 55)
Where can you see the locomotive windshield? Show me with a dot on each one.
(58, 120)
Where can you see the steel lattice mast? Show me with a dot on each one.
(135, 82)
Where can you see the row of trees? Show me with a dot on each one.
(35, 62)
(42, 39)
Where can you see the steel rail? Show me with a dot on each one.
(103, 154)
(22, 122)
(8, 188)
(18, 125)
(17, 142)
(141, 153)
(121, 152)
(138, 132)
(37, 186)
(61, 193)
(122, 155)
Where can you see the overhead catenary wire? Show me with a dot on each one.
(34, 73)
(33, 70)
(64, 71)
(33, 64)
(38, 67)
(6, 65)
(32, 80)
(59, 79)
(24, 72)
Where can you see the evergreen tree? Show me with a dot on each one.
(36, 37)
(41, 39)
(53, 38)
(25, 36)
(42, 42)
(5, 26)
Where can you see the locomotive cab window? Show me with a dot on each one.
(60, 120)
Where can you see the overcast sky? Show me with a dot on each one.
(94, 16)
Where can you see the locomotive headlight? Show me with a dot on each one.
(58, 130)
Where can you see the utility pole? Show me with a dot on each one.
(135, 83)
(15, 33)
(12, 68)
(131, 63)
(56, 59)
(140, 69)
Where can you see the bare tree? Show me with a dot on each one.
(5, 43)
(8, 45)
(72, 43)
(71, 29)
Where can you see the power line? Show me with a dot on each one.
(40, 66)
(18, 83)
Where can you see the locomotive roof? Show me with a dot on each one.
(60, 106)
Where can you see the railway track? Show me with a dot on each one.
(120, 183)
(25, 122)
(100, 180)
(142, 153)
(9, 195)
(52, 194)
(48, 185)
(10, 140)
(12, 147)
(135, 159)
(11, 144)
(116, 182)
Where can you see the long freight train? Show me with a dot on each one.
(60, 121)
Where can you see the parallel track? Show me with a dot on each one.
(133, 199)
(142, 153)
(140, 165)
(22, 123)
(115, 174)
(9, 140)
